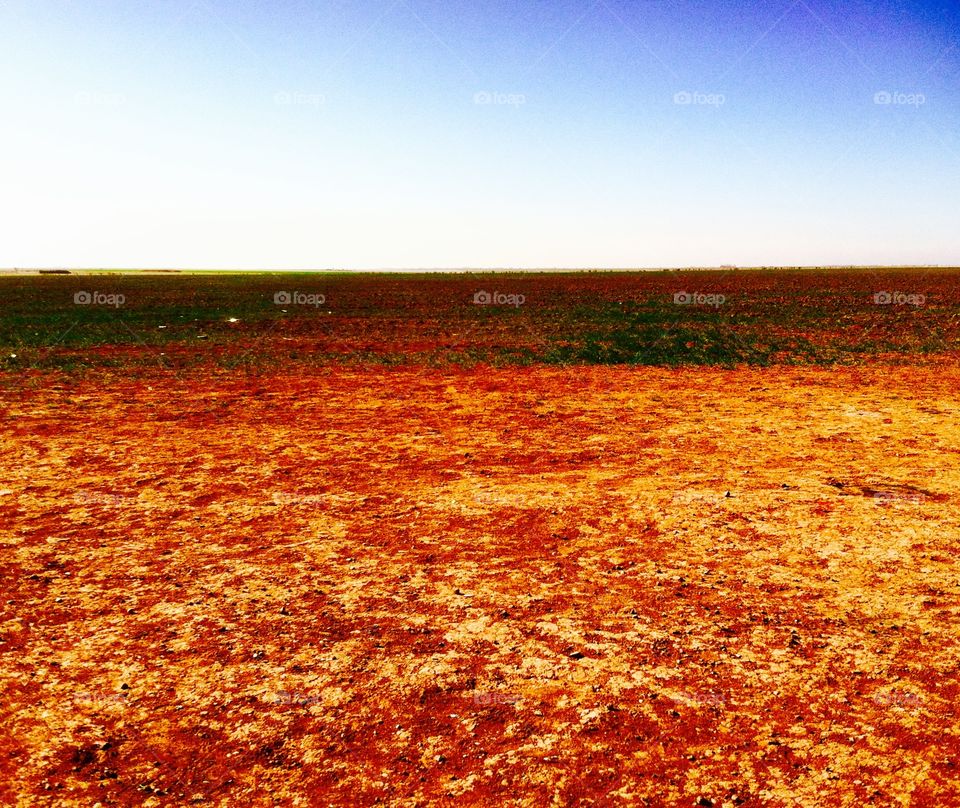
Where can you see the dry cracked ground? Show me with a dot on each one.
(517, 586)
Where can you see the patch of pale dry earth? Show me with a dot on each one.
(527, 586)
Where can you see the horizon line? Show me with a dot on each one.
(428, 270)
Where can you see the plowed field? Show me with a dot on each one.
(473, 585)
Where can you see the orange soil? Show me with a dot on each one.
(523, 586)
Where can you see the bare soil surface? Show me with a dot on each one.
(517, 586)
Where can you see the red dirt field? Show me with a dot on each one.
(518, 586)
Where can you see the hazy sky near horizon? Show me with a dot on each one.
(421, 133)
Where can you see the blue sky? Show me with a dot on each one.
(414, 133)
